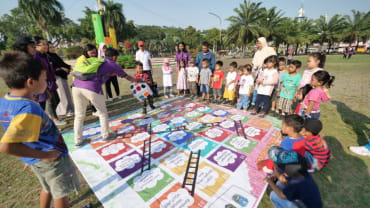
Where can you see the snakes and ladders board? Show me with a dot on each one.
(227, 172)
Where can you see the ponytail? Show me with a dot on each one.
(324, 77)
(321, 57)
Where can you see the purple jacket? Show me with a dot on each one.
(182, 55)
(106, 70)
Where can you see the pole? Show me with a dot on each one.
(219, 18)
(102, 17)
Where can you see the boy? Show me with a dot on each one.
(193, 73)
(295, 186)
(293, 141)
(246, 87)
(275, 95)
(30, 133)
(317, 150)
(140, 75)
(205, 80)
(288, 88)
(230, 83)
(218, 76)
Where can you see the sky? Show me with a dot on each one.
(195, 13)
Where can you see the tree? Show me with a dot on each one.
(43, 12)
(357, 26)
(330, 30)
(113, 16)
(86, 27)
(271, 21)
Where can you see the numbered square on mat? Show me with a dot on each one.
(241, 144)
(113, 149)
(227, 158)
(126, 165)
(216, 134)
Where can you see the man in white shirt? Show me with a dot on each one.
(143, 56)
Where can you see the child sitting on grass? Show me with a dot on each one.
(295, 186)
(218, 77)
(317, 150)
(30, 134)
(140, 75)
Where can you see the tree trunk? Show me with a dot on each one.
(287, 49)
(296, 48)
(329, 42)
(306, 49)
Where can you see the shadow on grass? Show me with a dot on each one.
(358, 121)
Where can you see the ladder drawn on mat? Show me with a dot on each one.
(241, 127)
(147, 151)
(192, 169)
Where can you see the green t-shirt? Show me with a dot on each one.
(290, 84)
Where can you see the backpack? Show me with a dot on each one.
(87, 69)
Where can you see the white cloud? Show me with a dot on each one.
(177, 120)
(176, 160)
(91, 131)
(127, 162)
(251, 131)
(179, 199)
(192, 114)
(198, 144)
(166, 106)
(140, 137)
(203, 109)
(237, 117)
(227, 124)
(206, 177)
(207, 118)
(176, 135)
(158, 146)
(219, 112)
(190, 105)
(145, 121)
(112, 149)
(134, 116)
(225, 157)
(160, 127)
(148, 179)
(213, 133)
(194, 125)
(240, 142)
(126, 129)
(115, 123)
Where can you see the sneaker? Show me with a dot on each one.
(311, 170)
(95, 114)
(266, 170)
(119, 97)
(80, 143)
(110, 99)
(144, 111)
(360, 150)
(152, 107)
(60, 123)
(70, 114)
(166, 96)
(111, 136)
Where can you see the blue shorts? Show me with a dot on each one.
(204, 88)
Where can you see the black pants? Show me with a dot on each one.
(52, 103)
(266, 102)
(150, 101)
(108, 90)
(149, 73)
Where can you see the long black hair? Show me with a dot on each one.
(22, 43)
(87, 48)
(320, 57)
(273, 59)
(178, 47)
(324, 77)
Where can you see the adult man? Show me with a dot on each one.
(143, 56)
(206, 54)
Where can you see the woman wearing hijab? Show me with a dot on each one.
(101, 50)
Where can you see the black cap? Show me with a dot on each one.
(313, 125)
(24, 40)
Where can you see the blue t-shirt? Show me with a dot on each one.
(24, 121)
(289, 85)
(305, 190)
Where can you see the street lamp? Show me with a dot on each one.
(219, 18)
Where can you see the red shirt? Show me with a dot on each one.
(318, 148)
(143, 76)
(218, 76)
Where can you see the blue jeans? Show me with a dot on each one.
(279, 202)
(254, 97)
(243, 102)
(312, 161)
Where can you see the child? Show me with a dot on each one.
(237, 86)
(288, 85)
(205, 80)
(193, 73)
(181, 79)
(167, 77)
(317, 150)
(311, 103)
(295, 186)
(30, 134)
(275, 95)
(266, 83)
(230, 83)
(246, 87)
(293, 141)
(315, 62)
(302, 92)
(218, 76)
(140, 75)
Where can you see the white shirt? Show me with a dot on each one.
(193, 73)
(144, 58)
(231, 76)
(246, 81)
(268, 76)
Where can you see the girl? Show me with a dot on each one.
(266, 81)
(167, 77)
(246, 87)
(101, 51)
(315, 62)
(182, 54)
(311, 103)
(182, 83)
(237, 86)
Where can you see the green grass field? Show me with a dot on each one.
(344, 183)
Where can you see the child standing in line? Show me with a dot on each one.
(193, 73)
(29, 132)
(218, 76)
(140, 75)
(288, 86)
(321, 80)
(237, 86)
(230, 83)
(275, 95)
(167, 77)
(302, 92)
(317, 150)
(266, 84)
(246, 87)
(315, 62)
(182, 83)
(205, 80)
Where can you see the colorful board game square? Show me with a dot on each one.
(253, 132)
(179, 197)
(159, 148)
(216, 134)
(150, 182)
(204, 109)
(196, 126)
(238, 117)
(178, 136)
(202, 144)
(210, 179)
(228, 124)
(116, 124)
(227, 158)
(241, 144)
(144, 121)
(260, 123)
(127, 164)
(192, 114)
(163, 114)
(138, 139)
(208, 118)
(91, 132)
(113, 149)
(178, 121)
(176, 161)
(220, 113)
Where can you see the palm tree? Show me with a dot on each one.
(306, 32)
(245, 25)
(357, 25)
(43, 12)
(330, 30)
(113, 16)
(271, 21)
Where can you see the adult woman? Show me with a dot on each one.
(24, 44)
(182, 54)
(65, 106)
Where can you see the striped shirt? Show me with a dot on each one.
(318, 148)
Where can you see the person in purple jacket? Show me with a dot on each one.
(90, 90)
(182, 54)
(50, 98)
